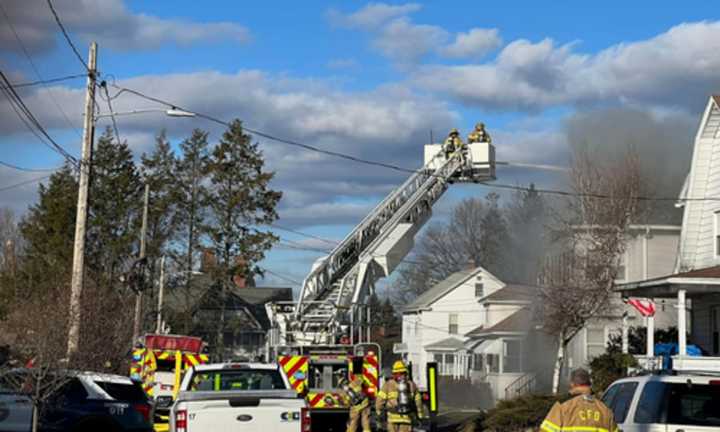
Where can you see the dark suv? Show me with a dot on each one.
(86, 401)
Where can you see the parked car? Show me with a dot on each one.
(15, 411)
(83, 402)
(238, 396)
(667, 403)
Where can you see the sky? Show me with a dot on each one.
(372, 80)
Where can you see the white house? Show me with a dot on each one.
(461, 323)
(694, 280)
(651, 250)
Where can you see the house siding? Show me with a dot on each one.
(697, 243)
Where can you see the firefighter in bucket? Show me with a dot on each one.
(354, 394)
(401, 399)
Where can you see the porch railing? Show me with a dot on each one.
(523, 385)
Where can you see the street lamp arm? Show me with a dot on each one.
(169, 112)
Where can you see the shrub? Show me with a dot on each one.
(519, 414)
(608, 367)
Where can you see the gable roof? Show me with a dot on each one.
(430, 296)
(448, 344)
(519, 323)
(512, 293)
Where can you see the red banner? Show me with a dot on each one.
(646, 307)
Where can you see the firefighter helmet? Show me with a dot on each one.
(399, 367)
(480, 126)
(454, 131)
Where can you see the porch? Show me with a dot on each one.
(698, 310)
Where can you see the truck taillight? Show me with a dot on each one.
(305, 420)
(144, 410)
(181, 421)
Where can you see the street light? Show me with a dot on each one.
(173, 112)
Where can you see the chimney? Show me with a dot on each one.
(242, 279)
(208, 260)
(470, 265)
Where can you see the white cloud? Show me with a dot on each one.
(372, 15)
(677, 68)
(475, 43)
(110, 23)
(406, 43)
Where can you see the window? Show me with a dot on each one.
(130, 391)
(649, 409)
(453, 323)
(618, 399)
(693, 405)
(715, 329)
(493, 363)
(237, 379)
(513, 356)
(479, 289)
(595, 342)
(621, 268)
(477, 362)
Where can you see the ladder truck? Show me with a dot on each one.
(326, 332)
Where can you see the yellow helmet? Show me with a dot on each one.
(399, 367)
(454, 131)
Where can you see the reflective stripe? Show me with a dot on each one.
(549, 426)
(382, 395)
(399, 418)
(584, 429)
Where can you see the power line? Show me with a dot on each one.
(19, 168)
(280, 276)
(47, 81)
(112, 113)
(33, 124)
(37, 72)
(304, 234)
(26, 182)
(67, 36)
(400, 168)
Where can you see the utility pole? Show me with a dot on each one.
(139, 293)
(161, 290)
(78, 267)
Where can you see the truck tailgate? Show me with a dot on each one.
(262, 411)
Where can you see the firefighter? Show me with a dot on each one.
(581, 413)
(452, 143)
(479, 134)
(401, 398)
(354, 394)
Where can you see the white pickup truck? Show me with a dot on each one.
(238, 396)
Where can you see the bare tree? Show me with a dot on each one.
(579, 286)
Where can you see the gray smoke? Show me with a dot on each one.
(663, 142)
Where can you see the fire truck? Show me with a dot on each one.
(159, 362)
(327, 331)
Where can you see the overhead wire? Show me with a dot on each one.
(19, 168)
(404, 169)
(23, 183)
(47, 81)
(37, 72)
(67, 36)
(32, 122)
(103, 85)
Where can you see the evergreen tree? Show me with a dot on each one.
(158, 173)
(115, 207)
(239, 198)
(48, 232)
(191, 171)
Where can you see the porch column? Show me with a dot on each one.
(682, 324)
(650, 351)
(625, 345)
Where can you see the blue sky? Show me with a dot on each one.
(369, 79)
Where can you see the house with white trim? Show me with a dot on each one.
(694, 280)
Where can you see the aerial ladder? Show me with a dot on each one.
(331, 307)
